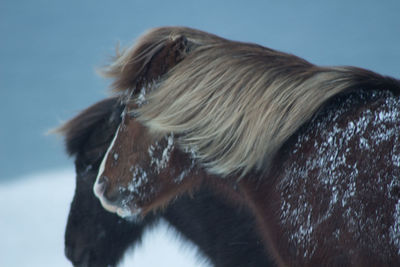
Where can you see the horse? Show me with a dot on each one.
(94, 237)
(311, 151)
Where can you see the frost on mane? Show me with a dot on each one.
(348, 204)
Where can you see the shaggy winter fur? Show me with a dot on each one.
(97, 238)
(234, 104)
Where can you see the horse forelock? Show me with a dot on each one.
(139, 65)
(235, 104)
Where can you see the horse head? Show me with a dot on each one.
(140, 172)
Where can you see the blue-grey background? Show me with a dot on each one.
(49, 50)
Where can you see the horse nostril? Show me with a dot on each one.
(113, 196)
(103, 190)
(109, 196)
(101, 185)
(103, 180)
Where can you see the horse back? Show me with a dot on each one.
(337, 185)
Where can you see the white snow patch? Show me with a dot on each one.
(139, 178)
(34, 212)
(141, 98)
(192, 155)
(161, 163)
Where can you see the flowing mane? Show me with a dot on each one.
(232, 104)
(312, 152)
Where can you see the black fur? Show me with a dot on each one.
(95, 237)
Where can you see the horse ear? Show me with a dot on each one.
(153, 56)
(167, 57)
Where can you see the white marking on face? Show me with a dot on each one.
(97, 187)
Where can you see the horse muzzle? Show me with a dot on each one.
(113, 201)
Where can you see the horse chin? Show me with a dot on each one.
(132, 217)
(107, 206)
(129, 214)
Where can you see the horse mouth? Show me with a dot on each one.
(128, 213)
(123, 211)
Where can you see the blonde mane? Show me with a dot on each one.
(233, 104)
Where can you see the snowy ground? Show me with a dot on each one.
(33, 218)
